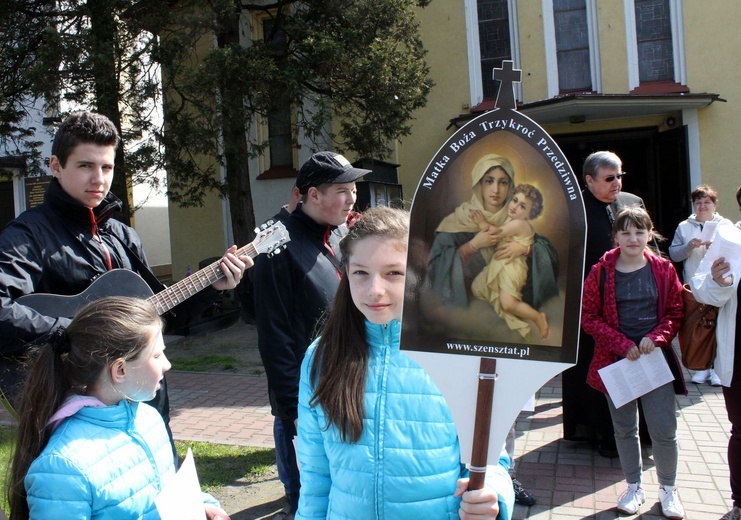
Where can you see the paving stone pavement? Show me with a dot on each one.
(569, 479)
(220, 408)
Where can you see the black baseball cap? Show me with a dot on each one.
(329, 168)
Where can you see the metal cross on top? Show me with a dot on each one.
(507, 76)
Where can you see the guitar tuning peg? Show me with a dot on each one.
(263, 227)
(257, 230)
(269, 222)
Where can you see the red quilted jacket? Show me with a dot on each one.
(600, 318)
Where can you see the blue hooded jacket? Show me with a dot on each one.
(407, 461)
(109, 462)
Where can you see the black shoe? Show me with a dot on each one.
(610, 454)
(291, 505)
(608, 450)
(522, 496)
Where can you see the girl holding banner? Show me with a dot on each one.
(376, 439)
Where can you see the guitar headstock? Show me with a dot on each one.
(276, 251)
(270, 237)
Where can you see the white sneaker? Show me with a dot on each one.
(630, 501)
(733, 514)
(714, 379)
(701, 376)
(671, 507)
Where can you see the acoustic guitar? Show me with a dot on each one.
(270, 239)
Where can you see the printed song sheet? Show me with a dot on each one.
(181, 499)
(708, 231)
(627, 380)
(726, 244)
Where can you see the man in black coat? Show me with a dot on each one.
(586, 415)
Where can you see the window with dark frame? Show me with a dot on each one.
(655, 45)
(279, 135)
(279, 118)
(494, 41)
(572, 45)
(7, 203)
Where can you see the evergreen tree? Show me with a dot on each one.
(359, 63)
(96, 54)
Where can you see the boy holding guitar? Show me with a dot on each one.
(71, 239)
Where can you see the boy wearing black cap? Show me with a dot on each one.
(295, 288)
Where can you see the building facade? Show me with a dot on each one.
(653, 80)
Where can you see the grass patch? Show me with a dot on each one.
(205, 363)
(220, 464)
(7, 441)
(217, 464)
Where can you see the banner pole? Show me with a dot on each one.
(482, 422)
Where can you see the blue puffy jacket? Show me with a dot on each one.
(407, 461)
(108, 462)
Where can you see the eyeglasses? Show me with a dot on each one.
(611, 178)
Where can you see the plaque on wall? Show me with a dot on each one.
(35, 189)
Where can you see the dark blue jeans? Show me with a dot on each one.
(284, 430)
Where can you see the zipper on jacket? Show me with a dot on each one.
(328, 247)
(96, 237)
(380, 422)
(137, 437)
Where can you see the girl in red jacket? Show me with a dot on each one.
(632, 303)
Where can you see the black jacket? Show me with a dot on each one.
(51, 249)
(293, 291)
(245, 291)
(599, 226)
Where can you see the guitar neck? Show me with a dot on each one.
(195, 283)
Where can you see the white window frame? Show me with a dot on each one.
(631, 38)
(551, 58)
(261, 128)
(19, 194)
(474, 51)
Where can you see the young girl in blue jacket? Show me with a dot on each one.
(87, 447)
(376, 439)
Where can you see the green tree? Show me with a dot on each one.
(96, 54)
(359, 63)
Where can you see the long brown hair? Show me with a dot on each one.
(100, 333)
(639, 218)
(340, 362)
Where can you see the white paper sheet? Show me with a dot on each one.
(627, 380)
(181, 499)
(726, 244)
(708, 230)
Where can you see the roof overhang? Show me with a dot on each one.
(580, 108)
(600, 107)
